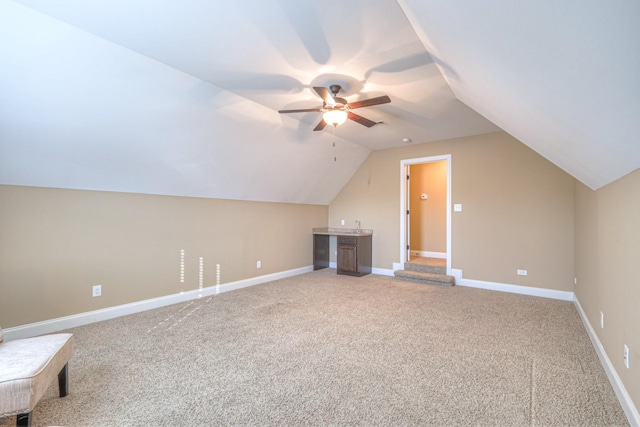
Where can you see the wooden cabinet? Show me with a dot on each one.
(353, 250)
(320, 251)
(354, 255)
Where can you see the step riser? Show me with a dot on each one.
(415, 276)
(427, 282)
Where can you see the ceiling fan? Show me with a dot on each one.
(336, 110)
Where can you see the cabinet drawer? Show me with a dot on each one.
(342, 240)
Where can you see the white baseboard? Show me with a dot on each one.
(629, 408)
(382, 271)
(428, 254)
(374, 270)
(514, 289)
(61, 323)
(54, 325)
(621, 393)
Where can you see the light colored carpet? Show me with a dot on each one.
(323, 349)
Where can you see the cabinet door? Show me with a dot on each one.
(354, 255)
(348, 258)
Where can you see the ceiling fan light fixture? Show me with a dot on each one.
(335, 117)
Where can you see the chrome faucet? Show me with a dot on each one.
(358, 227)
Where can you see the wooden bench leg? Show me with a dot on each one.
(63, 381)
(23, 420)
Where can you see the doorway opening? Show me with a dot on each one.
(431, 216)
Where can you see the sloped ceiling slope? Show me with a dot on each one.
(181, 97)
(561, 76)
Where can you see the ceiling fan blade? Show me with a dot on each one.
(369, 102)
(325, 95)
(356, 118)
(320, 125)
(305, 110)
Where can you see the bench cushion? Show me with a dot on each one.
(27, 368)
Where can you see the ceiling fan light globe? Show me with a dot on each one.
(335, 117)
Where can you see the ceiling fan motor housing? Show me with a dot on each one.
(339, 103)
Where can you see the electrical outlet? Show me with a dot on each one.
(457, 207)
(97, 290)
(342, 222)
(522, 272)
(259, 264)
(626, 356)
(601, 320)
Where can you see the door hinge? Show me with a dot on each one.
(408, 247)
(407, 176)
(407, 211)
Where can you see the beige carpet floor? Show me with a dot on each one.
(323, 349)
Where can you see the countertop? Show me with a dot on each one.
(331, 231)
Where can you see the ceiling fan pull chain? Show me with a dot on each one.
(335, 158)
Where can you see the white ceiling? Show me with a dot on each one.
(181, 98)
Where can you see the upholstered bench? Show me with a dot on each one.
(27, 368)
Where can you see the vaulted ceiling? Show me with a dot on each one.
(182, 97)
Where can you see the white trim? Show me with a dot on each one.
(403, 182)
(621, 392)
(514, 289)
(382, 271)
(61, 323)
(428, 254)
(629, 408)
(374, 270)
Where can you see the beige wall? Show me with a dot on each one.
(607, 268)
(56, 244)
(428, 217)
(518, 212)
(517, 209)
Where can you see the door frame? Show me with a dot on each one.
(407, 208)
(404, 203)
